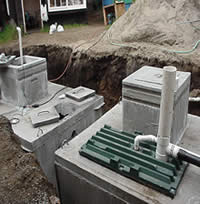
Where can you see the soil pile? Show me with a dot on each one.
(161, 22)
(21, 179)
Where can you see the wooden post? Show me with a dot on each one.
(23, 15)
(119, 9)
(42, 24)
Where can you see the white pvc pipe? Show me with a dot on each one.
(166, 112)
(140, 138)
(23, 15)
(20, 44)
(171, 150)
(7, 7)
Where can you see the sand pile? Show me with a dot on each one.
(161, 22)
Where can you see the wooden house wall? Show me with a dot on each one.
(16, 11)
(33, 8)
(3, 13)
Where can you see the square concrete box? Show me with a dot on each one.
(45, 129)
(141, 94)
(24, 84)
(83, 181)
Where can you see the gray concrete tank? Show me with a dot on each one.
(25, 84)
(141, 94)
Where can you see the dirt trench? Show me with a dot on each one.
(21, 179)
(104, 70)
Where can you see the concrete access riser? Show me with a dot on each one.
(43, 135)
(86, 178)
(141, 94)
(24, 84)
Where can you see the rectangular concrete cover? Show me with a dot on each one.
(80, 93)
(44, 117)
(150, 78)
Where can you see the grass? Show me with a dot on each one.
(66, 26)
(75, 25)
(9, 33)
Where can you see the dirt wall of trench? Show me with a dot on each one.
(103, 71)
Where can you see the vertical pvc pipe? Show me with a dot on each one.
(7, 7)
(23, 15)
(166, 112)
(20, 44)
(42, 24)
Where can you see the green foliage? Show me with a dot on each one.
(74, 25)
(9, 33)
(45, 29)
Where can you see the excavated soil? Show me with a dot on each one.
(104, 70)
(101, 59)
(161, 22)
(21, 179)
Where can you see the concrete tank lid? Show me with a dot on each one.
(150, 78)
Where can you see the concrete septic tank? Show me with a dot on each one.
(82, 181)
(25, 84)
(45, 129)
(141, 94)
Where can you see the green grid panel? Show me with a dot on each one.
(114, 149)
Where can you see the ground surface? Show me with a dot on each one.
(96, 64)
(21, 179)
(69, 36)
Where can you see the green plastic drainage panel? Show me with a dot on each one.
(114, 149)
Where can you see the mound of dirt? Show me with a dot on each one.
(21, 179)
(161, 22)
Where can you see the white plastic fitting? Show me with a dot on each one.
(20, 44)
(140, 138)
(172, 150)
(166, 112)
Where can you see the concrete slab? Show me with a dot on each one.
(44, 140)
(97, 184)
(44, 117)
(80, 93)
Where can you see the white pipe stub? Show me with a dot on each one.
(20, 44)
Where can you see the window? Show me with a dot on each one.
(64, 5)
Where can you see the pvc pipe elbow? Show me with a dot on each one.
(140, 138)
(18, 29)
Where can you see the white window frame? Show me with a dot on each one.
(66, 8)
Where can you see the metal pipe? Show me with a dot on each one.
(20, 44)
(172, 150)
(183, 154)
(166, 112)
(189, 157)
